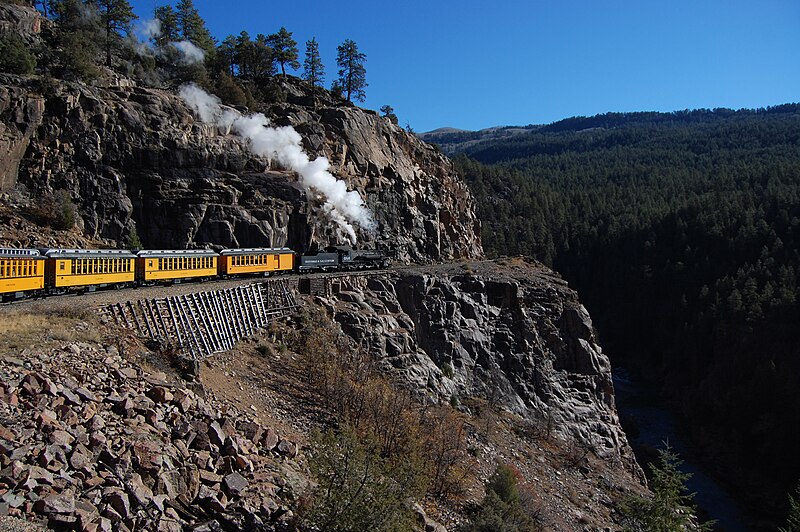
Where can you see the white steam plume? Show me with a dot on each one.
(190, 54)
(282, 144)
(150, 29)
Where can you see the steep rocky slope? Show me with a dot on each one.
(84, 405)
(512, 333)
(133, 157)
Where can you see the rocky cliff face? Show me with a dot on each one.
(512, 333)
(137, 158)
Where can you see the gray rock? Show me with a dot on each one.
(519, 338)
(118, 500)
(134, 153)
(234, 484)
(62, 503)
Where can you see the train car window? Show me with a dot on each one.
(13, 269)
(2, 268)
(62, 265)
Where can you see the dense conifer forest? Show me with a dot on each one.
(681, 233)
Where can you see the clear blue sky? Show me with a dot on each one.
(473, 64)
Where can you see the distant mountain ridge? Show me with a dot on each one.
(453, 140)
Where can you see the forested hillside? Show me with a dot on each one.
(681, 233)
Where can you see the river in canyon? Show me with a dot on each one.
(642, 408)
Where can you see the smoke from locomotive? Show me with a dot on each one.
(283, 144)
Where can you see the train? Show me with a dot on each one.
(33, 272)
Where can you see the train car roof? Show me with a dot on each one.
(176, 253)
(254, 251)
(20, 253)
(88, 253)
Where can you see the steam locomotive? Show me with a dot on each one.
(26, 272)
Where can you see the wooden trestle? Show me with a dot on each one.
(204, 323)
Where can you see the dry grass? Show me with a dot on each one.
(19, 329)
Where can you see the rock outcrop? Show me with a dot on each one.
(137, 158)
(514, 334)
(89, 441)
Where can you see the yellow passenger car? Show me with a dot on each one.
(88, 268)
(256, 261)
(176, 264)
(21, 271)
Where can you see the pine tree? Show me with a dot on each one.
(77, 37)
(284, 50)
(793, 519)
(263, 64)
(193, 27)
(116, 16)
(352, 74)
(388, 112)
(670, 508)
(226, 56)
(168, 21)
(243, 52)
(313, 70)
(15, 56)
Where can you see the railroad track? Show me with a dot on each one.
(108, 296)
